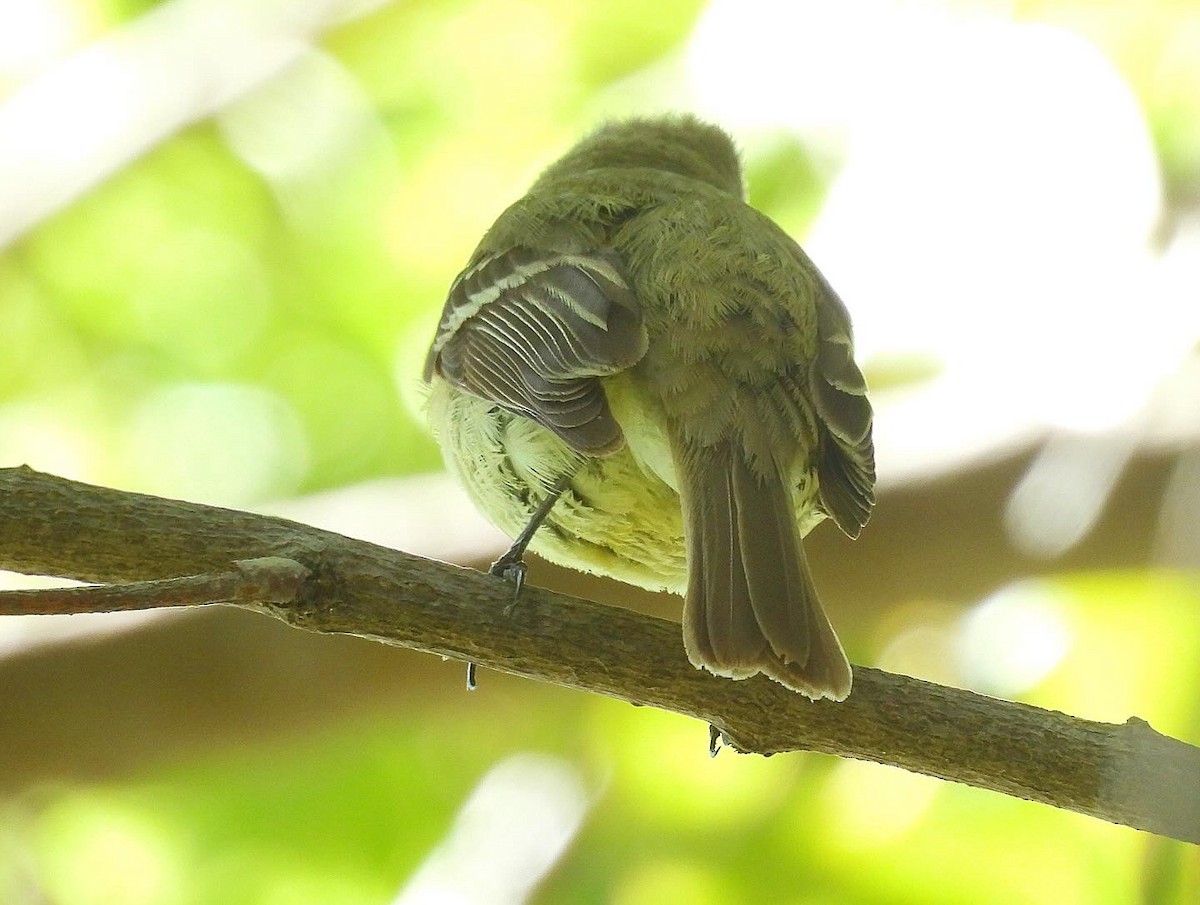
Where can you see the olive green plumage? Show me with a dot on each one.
(633, 323)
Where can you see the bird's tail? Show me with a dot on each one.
(751, 605)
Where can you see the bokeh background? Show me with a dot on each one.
(226, 230)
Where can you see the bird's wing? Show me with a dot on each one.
(533, 331)
(846, 463)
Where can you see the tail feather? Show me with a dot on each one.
(729, 619)
(751, 605)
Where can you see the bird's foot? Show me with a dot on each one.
(716, 739)
(511, 567)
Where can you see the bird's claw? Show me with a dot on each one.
(715, 740)
(511, 569)
(511, 566)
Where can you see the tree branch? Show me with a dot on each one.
(1126, 774)
(268, 579)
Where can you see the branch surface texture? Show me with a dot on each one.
(1128, 773)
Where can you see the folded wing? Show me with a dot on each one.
(533, 331)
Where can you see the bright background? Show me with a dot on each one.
(226, 230)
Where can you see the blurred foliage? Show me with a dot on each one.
(1156, 45)
(241, 313)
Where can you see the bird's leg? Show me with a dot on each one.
(511, 566)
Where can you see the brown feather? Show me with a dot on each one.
(533, 331)
(846, 454)
(751, 605)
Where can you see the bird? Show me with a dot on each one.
(640, 375)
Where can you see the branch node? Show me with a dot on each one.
(269, 579)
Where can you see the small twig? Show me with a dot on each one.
(267, 579)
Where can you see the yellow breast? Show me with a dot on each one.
(621, 516)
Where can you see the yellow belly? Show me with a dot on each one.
(619, 518)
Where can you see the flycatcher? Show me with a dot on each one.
(655, 373)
